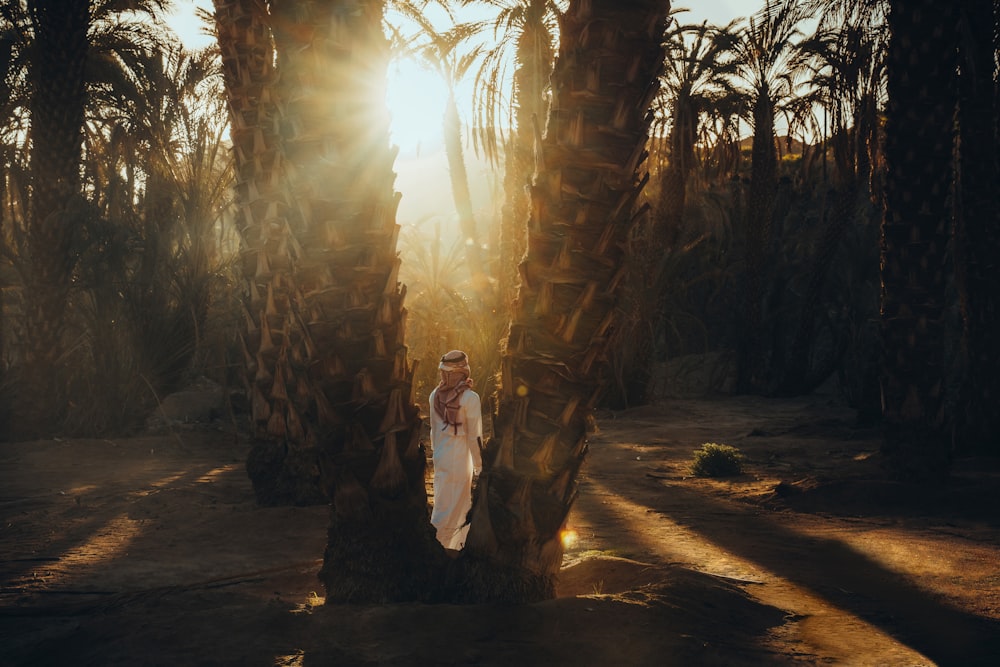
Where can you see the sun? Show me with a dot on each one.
(416, 99)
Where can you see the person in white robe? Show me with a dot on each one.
(456, 441)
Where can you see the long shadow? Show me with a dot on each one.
(846, 578)
(29, 556)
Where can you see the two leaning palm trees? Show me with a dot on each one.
(327, 368)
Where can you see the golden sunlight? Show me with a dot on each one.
(415, 98)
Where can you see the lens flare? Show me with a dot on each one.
(568, 537)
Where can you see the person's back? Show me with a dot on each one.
(456, 436)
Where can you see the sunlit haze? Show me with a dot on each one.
(416, 98)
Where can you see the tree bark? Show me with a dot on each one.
(552, 371)
(533, 62)
(916, 232)
(759, 212)
(56, 108)
(977, 422)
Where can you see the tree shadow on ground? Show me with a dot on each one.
(836, 572)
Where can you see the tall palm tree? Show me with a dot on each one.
(440, 51)
(280, 472)
(525, 32)
(696, 75)
(847, 57)
(916, 232)
(604, 81)
(978, 233)
(330, 382)
(765, 54)
(63, 58)
(56, 75)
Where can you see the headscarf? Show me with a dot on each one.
(454, 368)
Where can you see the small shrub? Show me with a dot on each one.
(715, 460)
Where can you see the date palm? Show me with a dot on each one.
(325, 322)
(329, 379)
(56, 68)
(847, 58)
(525, 32)
(916, 233)
(695, 77)
(63, 60)
(284, 470)
(765, 53)
(604, 82)
(440, 52)
(977, 238)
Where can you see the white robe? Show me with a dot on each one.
(456, 456)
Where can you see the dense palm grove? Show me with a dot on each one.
(804, 196)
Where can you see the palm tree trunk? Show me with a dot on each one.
(347, 377)
(674, 197)
(978, 235)
(533, 61)
(330, 381)
(282, 464)
(57, 66)
(552, 372)
(760, 209)
(916, 231)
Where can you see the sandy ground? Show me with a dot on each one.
(150, 551)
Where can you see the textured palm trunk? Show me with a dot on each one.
(760, 209)
(56, 107)
(531, 74)
(282, 463)
(346, 374)
(978, 235)
(916, 232)
(330, 382)
(674, 196)
(552, 371)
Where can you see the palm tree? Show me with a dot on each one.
(158, 179)
(330, 382)
(847, 56)
(439, 51)
(696, 75)
(279, 472)
(977, 239)
(64, 61)
(57, 78)
(582, 207)
(765, 53)
(525, 32)
(916, 232)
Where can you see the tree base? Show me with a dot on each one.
(284, 476)
(391, 555)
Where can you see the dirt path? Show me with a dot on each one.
(150, 551)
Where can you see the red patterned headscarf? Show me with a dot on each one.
(454, 368)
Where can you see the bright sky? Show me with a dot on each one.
(416, 97)
(416, 100)
(718, 12)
